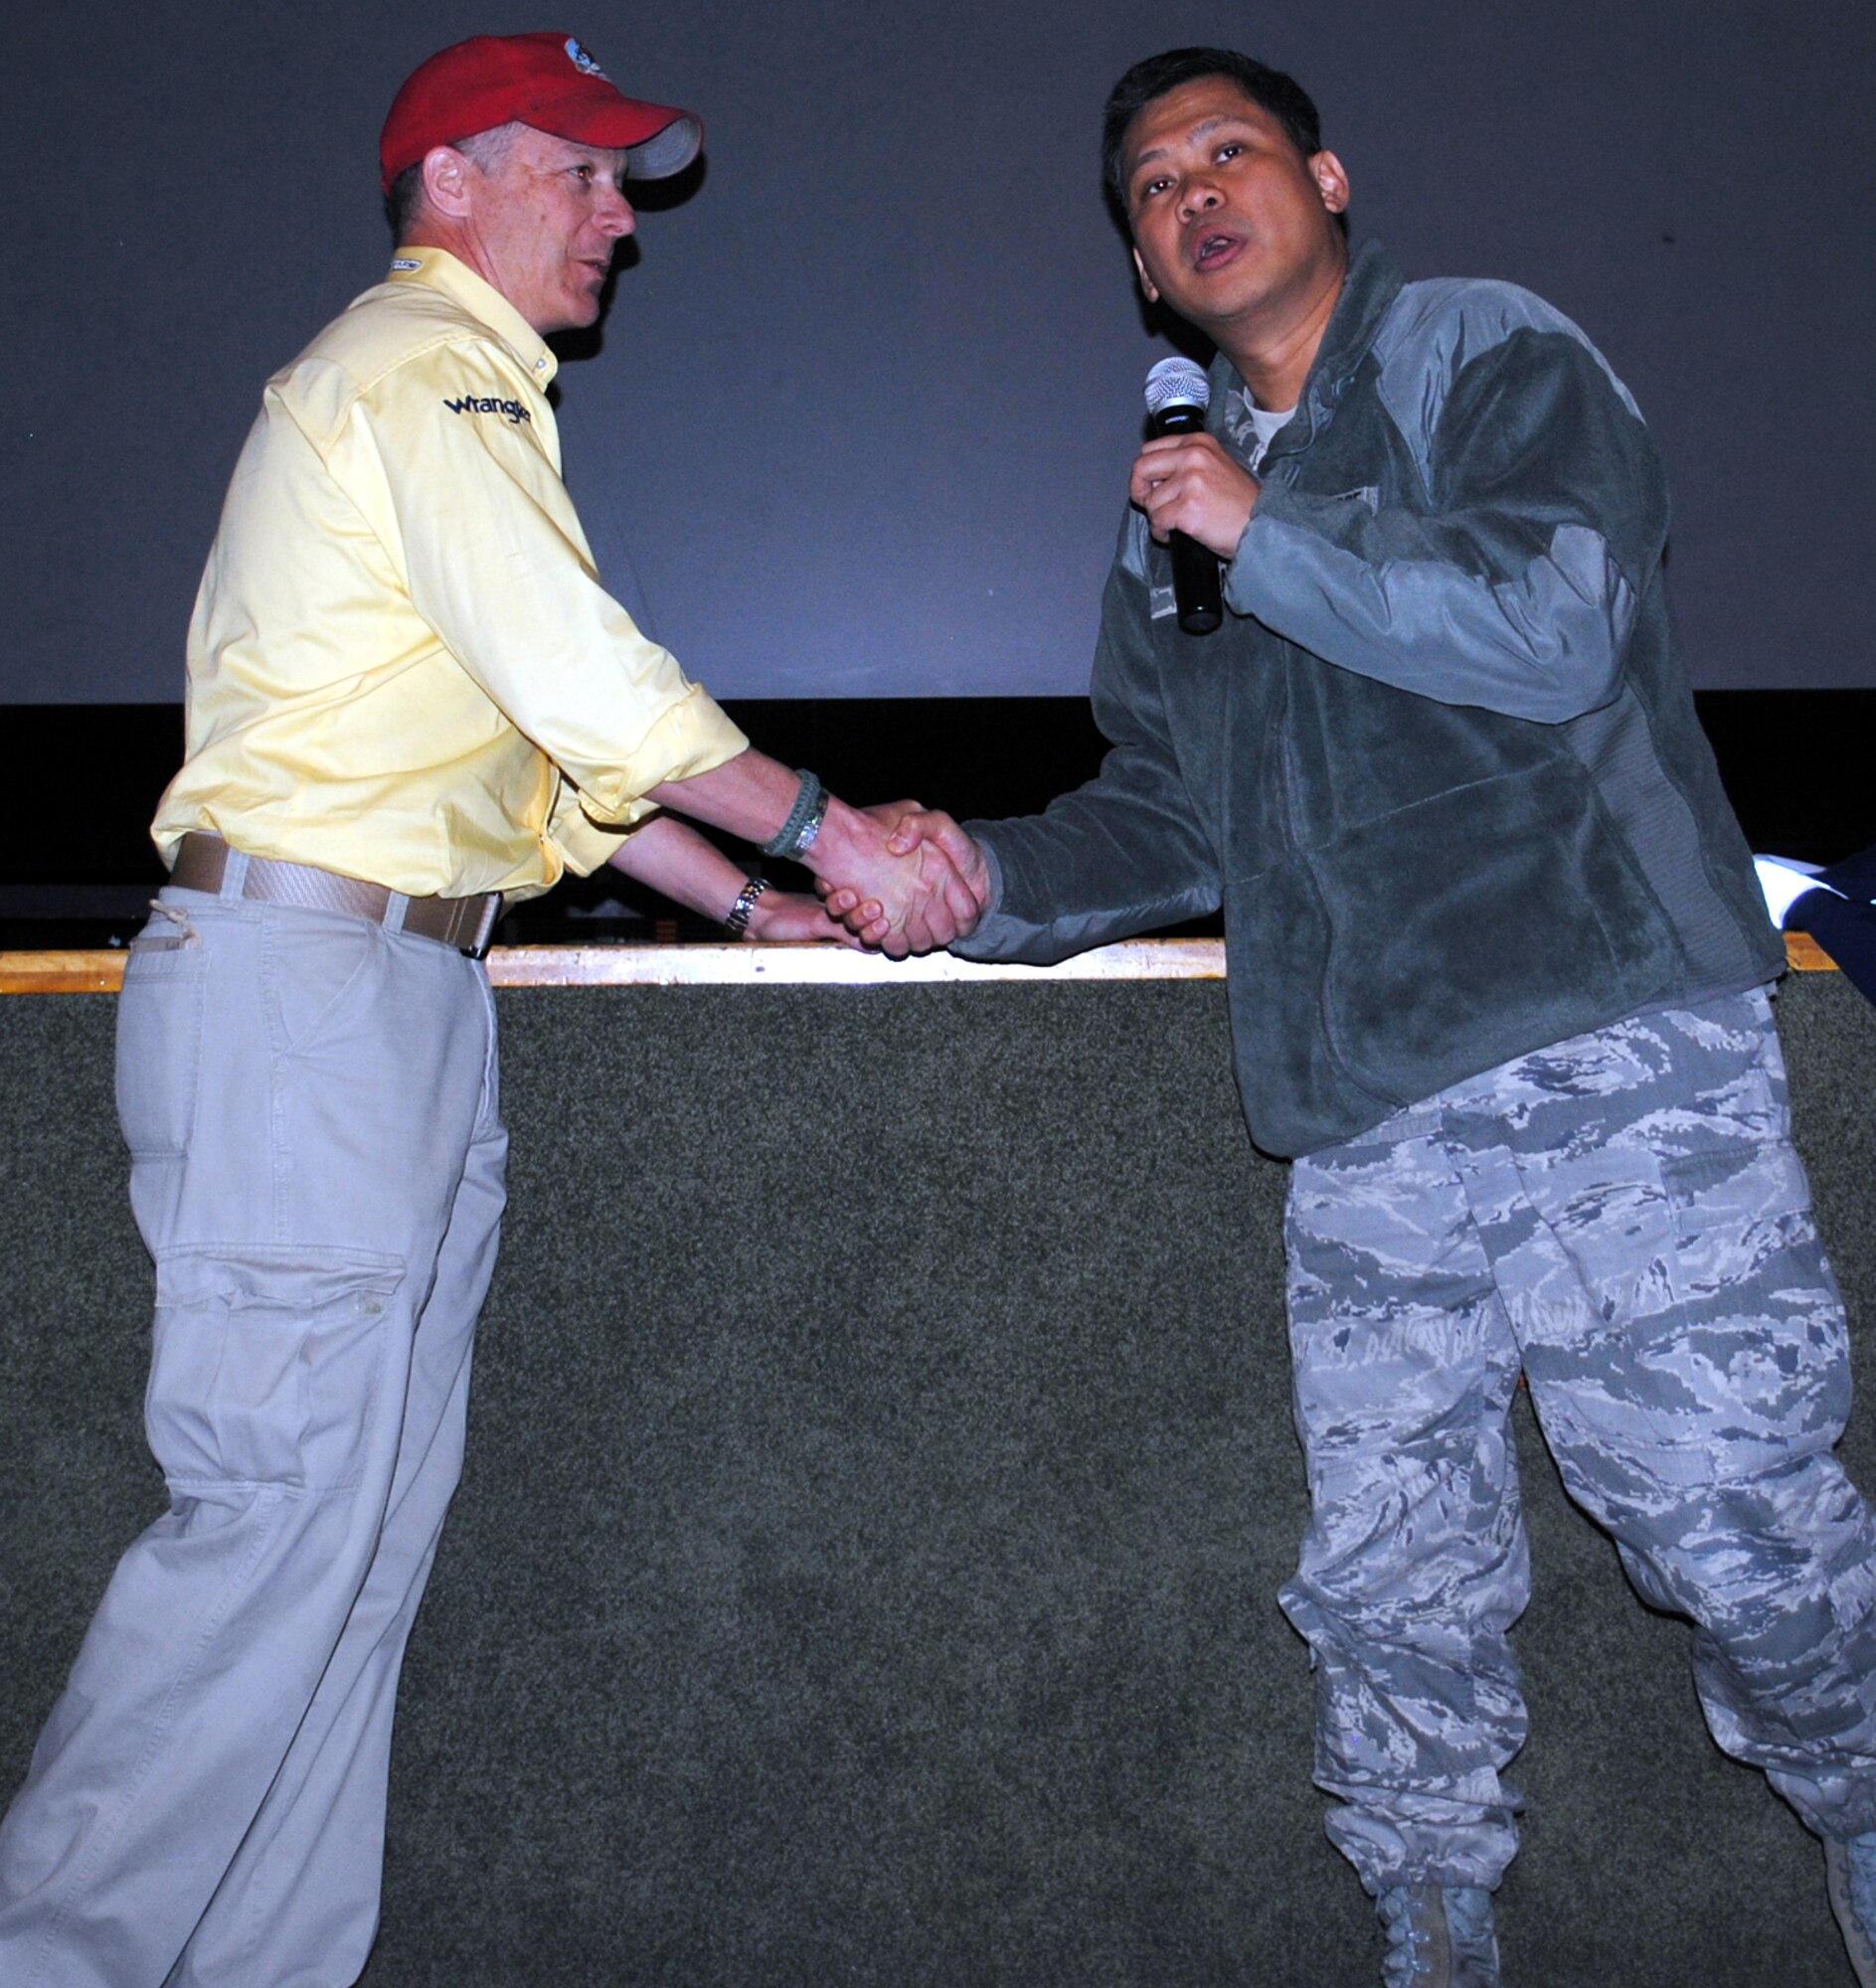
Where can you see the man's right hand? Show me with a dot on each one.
(1188, 483)
(935, 886)
(918, 876)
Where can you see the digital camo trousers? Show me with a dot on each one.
(1622, 1218)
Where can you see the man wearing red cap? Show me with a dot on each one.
(410, 700)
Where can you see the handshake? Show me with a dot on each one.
(899, 878)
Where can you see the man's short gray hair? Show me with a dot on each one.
(403, 204)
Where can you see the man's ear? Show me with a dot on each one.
(1146, 281)
(1332, 180)
(447, 181)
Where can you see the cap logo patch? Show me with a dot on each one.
(581, 61)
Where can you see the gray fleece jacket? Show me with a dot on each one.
(1441, 764)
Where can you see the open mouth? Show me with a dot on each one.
(1214, 250)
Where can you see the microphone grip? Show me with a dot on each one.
(1195, 589)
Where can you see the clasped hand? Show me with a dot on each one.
(914, 882)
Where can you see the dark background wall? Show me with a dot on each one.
(862, 410)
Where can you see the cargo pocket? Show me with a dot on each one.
(1767, 1320)
(267, 1364)
(1606, 1334)
(159, 1040)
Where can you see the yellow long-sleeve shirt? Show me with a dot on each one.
(402, 664)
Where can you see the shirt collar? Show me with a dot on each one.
(1368, 292)
(440, 271)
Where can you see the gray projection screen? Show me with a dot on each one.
(859, 419)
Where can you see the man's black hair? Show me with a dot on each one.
(1146, 81)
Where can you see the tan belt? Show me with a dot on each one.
(202, 862)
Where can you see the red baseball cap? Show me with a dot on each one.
(548, 81)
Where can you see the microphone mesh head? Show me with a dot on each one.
(1177, 383)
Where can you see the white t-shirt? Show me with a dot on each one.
(1265, 426)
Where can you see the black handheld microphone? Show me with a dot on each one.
(1177, 394)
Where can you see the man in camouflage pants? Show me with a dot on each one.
(1620, 1218)
(1498, 962)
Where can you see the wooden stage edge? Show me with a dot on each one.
(101, 972)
